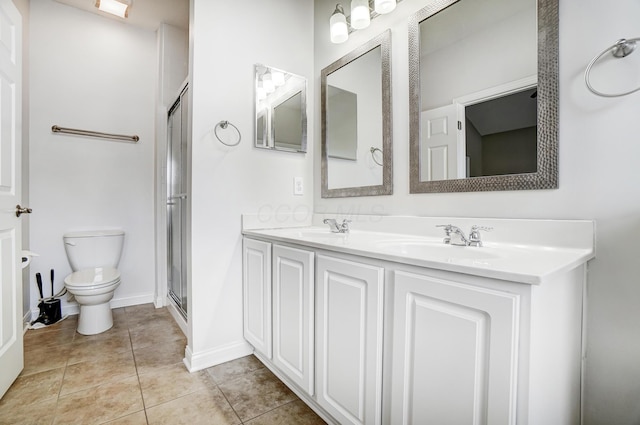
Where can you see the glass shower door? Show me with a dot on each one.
(177, 202)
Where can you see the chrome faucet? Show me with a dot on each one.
(337, 228)
(455, 236)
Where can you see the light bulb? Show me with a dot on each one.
(360, 17)
(261, 93)
(278, 78)
(267, 83)
(384, 6)
(338, 26)
(115, 7)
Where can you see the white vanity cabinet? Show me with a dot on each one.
(373, 328)
(349, 323)
(293, 315)
(468, 350)
(256, 286)
(455, 352)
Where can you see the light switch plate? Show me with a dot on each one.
(298, 186)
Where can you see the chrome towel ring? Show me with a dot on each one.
(621, 49)
(224, 125)
(373, 156)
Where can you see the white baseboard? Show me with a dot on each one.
(72, 308)
(215, 356)
(135, 300)
(26, 320)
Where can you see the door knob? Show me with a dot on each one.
(22, 210)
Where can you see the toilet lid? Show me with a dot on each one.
(93, 277)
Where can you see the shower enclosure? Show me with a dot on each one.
(177, 145)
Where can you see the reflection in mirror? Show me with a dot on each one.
(356, 122)
(480, 118)
(287, 123)
(342, 120)
(281, 110)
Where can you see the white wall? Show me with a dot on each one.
(228, 38)
(92, 73)
(598, 180)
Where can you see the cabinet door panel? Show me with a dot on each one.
(454, 354)
(293, 309)
(349, 344)
(257, 294)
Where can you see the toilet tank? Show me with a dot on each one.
(93, 248)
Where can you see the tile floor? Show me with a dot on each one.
(133, 374)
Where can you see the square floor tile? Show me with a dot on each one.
(111, 367)
(100, 404)
(294, 413)
(170, 382)
(203, 407)
(255, 393)
(230, 370)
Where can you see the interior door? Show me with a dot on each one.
(177, 151)
(11, 327)
(442, 148)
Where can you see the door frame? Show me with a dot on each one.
(162, 294)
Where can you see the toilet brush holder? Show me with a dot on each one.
(52, 311)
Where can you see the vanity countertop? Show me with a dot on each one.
(524, 263)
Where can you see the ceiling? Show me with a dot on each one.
(147, 14)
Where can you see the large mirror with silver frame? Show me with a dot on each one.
(356, 122)
(280, 109)
(484, 96)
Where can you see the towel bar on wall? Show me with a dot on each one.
(57, 129)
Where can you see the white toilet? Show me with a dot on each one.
(94, 258)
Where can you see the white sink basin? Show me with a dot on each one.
(435, 250)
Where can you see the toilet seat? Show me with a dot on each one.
(95, 278)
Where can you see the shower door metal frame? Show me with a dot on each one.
(177, 203)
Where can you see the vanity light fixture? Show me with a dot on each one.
(338, 26)
(362, 12)
(115, 7)
(384, 6)
(360, 17)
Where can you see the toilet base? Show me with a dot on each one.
(95, 319)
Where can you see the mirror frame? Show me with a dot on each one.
(386, 188)
(546, 176)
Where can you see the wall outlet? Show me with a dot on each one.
(298, 186)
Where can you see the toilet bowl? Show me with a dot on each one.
(94, 257)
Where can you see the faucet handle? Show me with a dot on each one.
(448, 228)
(475, 238)
(344, 227)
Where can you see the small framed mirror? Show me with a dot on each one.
(280, 110)
(356, 122)
(484, 96)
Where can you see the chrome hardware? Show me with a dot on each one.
(455, 235)
(337, 228)
(22, 210)
(78, 132)
(475, 237)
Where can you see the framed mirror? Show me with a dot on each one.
(483, 96)
(280, 110)
(356, 122)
